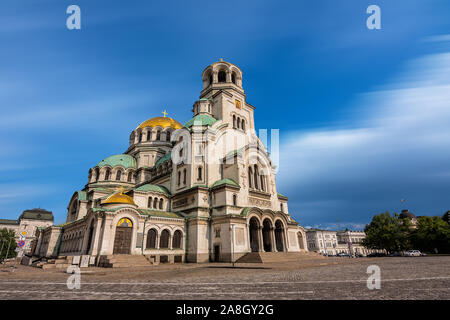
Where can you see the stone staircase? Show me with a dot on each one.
(125, 260)
(59, 263)
(273, 257)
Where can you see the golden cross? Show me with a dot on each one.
(221, 59)
(121, 190)
(164, 113)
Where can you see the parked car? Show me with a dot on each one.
(359, 255)
(377, 254)
(343, 254)
(395, 254)
(413, 253)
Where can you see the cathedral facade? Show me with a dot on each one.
(198, 192)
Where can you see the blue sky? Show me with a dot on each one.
(362, 113)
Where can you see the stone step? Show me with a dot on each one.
(269, 257)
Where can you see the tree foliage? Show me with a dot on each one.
(388, 232)
(7, 240)
(432, 234)
(392, 233)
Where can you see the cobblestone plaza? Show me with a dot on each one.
(331, 278)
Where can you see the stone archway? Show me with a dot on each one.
(90, 237)
(253, 230)
(279, 234)
(267, 237)
(122, 240)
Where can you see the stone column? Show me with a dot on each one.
(96, 237)
(228, 76)
(157, 240)
(260, 239)
(272, 236)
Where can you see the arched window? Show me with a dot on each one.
(164, 239)
(97, 174)
(118, 175)
(255, 173)
(222, 76)
(176, 241)
(130, 176)
(263, 185)
(161, 203)
(155, 203)
(210, 78)
(181, 152)
(149, 203)
(158, 135)
(140, 137)
(243, 125)
(234, 121)
(184, 176)
(234, 200)
(250, 174)
(179, 178)
(149, 135)
(199, 173)
(151, 239)
(281, 207)
(168, 136)
(107, 173)
(233, 78)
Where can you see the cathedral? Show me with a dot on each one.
(204, 191)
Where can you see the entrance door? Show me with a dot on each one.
(216, 253)
(122, 241)
(253, 230)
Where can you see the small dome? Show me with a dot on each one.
(124, 160)
(119, 197)
(407, 214)
(164, 122)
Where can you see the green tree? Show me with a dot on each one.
(431, 233)
(7, 241)
(388, 232)
(446, 217)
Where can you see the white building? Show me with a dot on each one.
(197, 192)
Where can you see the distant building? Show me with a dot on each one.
(406, 214)
(322, 241)
(334, 242)
(29, 221)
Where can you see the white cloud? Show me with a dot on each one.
(398, 146)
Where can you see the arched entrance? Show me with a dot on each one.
(279, 231)
(90, 236)
(122, 240)
(253, 230)
(267, 239)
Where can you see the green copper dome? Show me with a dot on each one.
(153, 188)
(200, 119)
(124, 160)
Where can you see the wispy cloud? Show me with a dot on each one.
(398, 147)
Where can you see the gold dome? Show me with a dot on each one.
(119, 197)
(163, 122)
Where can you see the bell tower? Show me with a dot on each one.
(223, 97)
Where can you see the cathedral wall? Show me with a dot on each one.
(198, 241)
